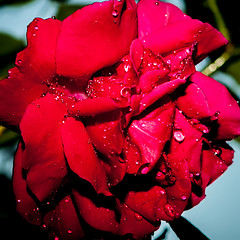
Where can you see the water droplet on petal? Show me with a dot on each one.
(69, 231)
(125, 91)
(178, 135)
(114, 13)
(217, 151)
(145, 170)
(36, 28)
(18, 62)
(138, 217)
(183, 197)
(169, 210)
(44, 225)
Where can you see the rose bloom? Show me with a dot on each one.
(118, 130)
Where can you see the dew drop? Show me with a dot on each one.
(138, 217)
(178, 136)
(125, 91)
(44, 225)
(69, 231)
(157, 3)
(18, 62)
(114, 13)
(144, 170)
(183, 197)
(169, 210)
(217, 151)
(36, 28)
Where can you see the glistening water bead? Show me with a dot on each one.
(178, 135)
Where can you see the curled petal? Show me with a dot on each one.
(191, 141)
(132, 222)
(97, 215)
(91, 38)
(43, 156)
(26, 206)
(63, 221)
(95, 106)
(106, 134)
(151, 12)
(185, 33)
(16, 92)
(40, 54)
(149, 135)
(221, 102)
(159, 92)
(80, 154)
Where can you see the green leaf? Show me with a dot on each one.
(66, 10)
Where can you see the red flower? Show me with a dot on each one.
(118, 130)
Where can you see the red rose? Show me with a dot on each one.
(118, 129)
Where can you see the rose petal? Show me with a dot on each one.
(191, 141)
(106, 134)
(16, 92)
(220, 101)
(81, 156)
(179, 193)
(95, 106)
(26, 206)
(96, 214)
(185, 33)
(40, 54)
(154, 15)
(43, 156)
(63, 221)
(159, 92)
(134, 223)
(150, 135)
(91, 38)
(146, 203)
(192, 101)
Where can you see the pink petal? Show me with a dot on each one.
(26, 206)
(92, 38)
(43, 156)
(220, 101)
(16, 92)
(80, 154)
(154, 15)
(40, 54)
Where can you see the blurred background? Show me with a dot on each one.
(218, 215)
